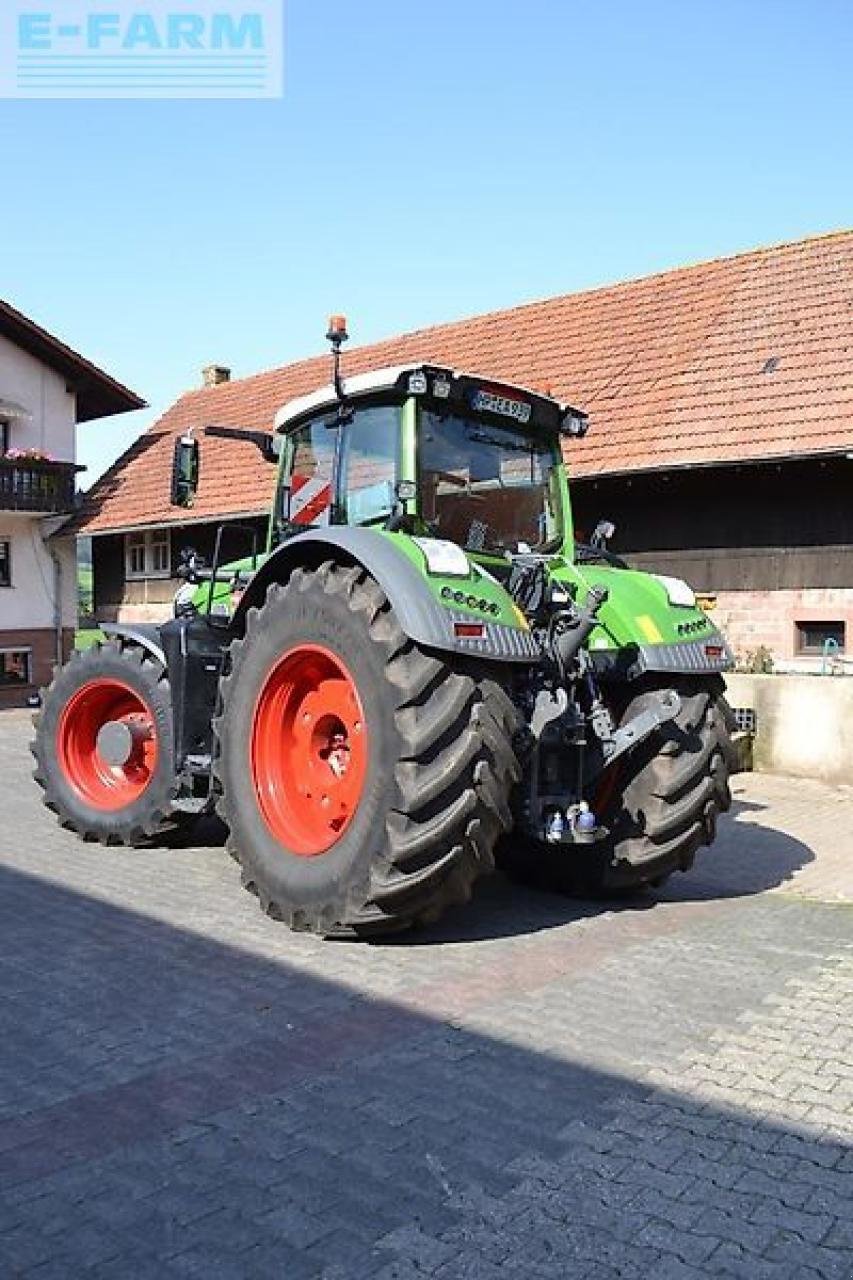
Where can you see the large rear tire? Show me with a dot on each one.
(115, 690)
(660, 802)
(363, 780)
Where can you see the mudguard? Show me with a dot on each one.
(421, 616)
(145, 634)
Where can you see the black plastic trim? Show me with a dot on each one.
(687, 658)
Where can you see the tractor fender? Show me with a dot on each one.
(420, 615)
(145, 634)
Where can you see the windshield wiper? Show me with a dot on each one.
(513, 446)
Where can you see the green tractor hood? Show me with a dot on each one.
(649, 622)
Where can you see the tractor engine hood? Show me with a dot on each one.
(649, 622)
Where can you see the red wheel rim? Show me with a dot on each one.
(309, 750)
(98, 782)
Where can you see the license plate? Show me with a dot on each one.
(491, 402)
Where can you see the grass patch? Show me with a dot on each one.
(85, 588)
(88, 637)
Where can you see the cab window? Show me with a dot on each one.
(370, 464)
(312, 451)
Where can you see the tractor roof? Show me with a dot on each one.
(396, 378)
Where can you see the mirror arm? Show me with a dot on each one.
(260, 439)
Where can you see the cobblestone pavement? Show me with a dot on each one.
(535, 1088)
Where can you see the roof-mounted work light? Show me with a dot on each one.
(574, 423)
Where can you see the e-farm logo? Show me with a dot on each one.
(166, 49)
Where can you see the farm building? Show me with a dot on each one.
(721, 442)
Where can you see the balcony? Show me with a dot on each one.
(41, 487)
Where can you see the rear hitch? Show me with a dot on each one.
(665, 707)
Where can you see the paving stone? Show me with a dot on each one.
(534, 1087)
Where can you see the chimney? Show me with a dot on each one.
(213, 374)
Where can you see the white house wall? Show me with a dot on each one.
(42, 392)
(28, 603)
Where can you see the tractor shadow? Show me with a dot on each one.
(206, 832)
(745, 860)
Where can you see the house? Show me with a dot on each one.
(45, 390)
(721, 405)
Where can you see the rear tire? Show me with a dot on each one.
(435, 766)
(659, 802)
(114, 805)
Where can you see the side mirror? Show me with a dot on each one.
(604, 531)
(185, 471)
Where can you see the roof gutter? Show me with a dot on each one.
(220, 518)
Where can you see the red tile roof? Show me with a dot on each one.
(738, 359)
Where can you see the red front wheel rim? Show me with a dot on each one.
(101, 783)
(308, 750)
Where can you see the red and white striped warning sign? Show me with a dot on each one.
(310, 498)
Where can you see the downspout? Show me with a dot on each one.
(57, 602)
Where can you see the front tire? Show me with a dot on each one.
(107, 689)
(659, 802)
(669, 798)
(364, 781)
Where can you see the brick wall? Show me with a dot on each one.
(751, 619)
(42, 645)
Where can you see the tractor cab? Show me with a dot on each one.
(425, 450)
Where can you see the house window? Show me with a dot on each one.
(820, 637)
(160, 553)
(14, 667)
(5, 563)
(135, 556)
(148, 554)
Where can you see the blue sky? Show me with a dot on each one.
(429, 160)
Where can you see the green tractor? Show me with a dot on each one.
(420, 675)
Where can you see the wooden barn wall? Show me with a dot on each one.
(108, 561)
(108, 569)
(751, 528)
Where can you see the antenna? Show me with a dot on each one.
(337, 335)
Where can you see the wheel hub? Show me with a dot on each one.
(309, 750)
(119, 741)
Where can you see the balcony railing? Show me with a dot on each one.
(43, 487)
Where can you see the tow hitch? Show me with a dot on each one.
(557, 720)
